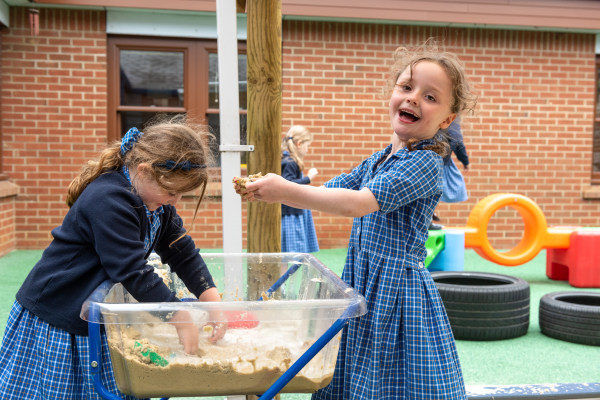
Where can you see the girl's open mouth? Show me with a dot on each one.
(407, 116)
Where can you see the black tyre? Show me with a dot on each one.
(484, 306)
(571, 316)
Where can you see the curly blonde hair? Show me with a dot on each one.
(463, 98)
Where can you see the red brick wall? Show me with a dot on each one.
(206, 228)
(54, 94)
(7, 224)
(53, 111)
(532, 132)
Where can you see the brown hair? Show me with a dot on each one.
(297, 135)
(463, 98)
(176, 139)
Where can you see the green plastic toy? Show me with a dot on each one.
(435, 244)
(155, 358)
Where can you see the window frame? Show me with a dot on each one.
(196, 90)
(216, 111)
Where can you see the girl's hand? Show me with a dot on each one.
(186, 330)
(218, 326)
(217, 319)
(242, 191)
(239, 184)
(271, 189)
(312, 173)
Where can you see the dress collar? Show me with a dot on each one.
(425, 142)
(418, 146)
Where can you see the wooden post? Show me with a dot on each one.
(264, 117)
(264, 132)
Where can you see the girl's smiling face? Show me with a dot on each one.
(421, 101)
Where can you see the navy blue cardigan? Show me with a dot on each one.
(291, 171)
(102, 237)
(455, 139)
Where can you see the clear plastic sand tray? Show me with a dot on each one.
(282, 313)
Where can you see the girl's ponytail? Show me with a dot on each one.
(297, 135)
(109, 159)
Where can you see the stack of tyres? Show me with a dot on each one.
(484, 306)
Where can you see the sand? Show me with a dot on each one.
(242, 182)
(245, 361)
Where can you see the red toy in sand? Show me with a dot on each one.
(240, 320)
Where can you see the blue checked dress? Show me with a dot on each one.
(298, 233)
(297, 227)
(40, 362)
(403, 347)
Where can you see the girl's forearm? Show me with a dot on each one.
(211, 294)
(345, 202)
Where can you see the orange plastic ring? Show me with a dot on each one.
(535, 237)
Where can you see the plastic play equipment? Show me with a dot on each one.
(316, 303)
(573, 252)
(580, 262)
(449, 255)
(537, 234)
(434, 245)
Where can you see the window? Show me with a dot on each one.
(154, 76)
(212, 112)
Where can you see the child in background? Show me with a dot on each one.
(121, 209)
(403, 347)
(455, 189)
(297, 226)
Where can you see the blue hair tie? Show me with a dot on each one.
(183, 166)
(130, 138)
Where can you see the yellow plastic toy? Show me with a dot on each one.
(537, 235)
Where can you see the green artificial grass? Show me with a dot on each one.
(530, 359)
(533, 358)
(14, 267)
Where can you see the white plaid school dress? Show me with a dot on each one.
(403, 347)
(40, 362)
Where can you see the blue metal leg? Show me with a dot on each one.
(293, 268)
(307, 356)
(96, 356)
